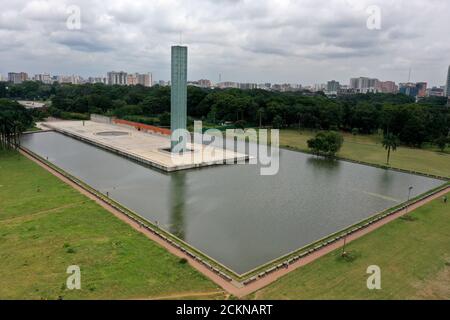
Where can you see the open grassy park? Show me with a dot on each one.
(45, 226)
(368, 148)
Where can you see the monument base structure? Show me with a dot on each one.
(143, 147)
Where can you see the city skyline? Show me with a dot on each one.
(267, 41)
(147, 79)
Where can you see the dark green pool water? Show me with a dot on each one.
(231, 212)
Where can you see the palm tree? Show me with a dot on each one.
(260, 112)
(390, 142)
(299, 116)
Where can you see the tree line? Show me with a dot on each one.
(412, 123)
(14, 120)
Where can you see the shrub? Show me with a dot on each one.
(127, 110)
(70, 250)
(277, 122)
(240, 124)
(142, 119)
(441, 142)
(164, 119)
(74, 116)
(326, 143)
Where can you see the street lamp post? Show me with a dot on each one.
(344, 253)
(409, 196)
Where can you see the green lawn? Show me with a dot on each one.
(45, 226)
(414, 257)
(369, 149)
(33, 129)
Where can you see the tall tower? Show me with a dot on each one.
(447, 86)
(178, 94)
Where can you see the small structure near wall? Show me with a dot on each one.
(101, 119)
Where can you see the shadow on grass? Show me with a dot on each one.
(409, 218)
(348, 256)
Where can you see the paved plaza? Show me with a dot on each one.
(144, 147)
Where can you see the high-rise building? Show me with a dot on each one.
(120, 78)
(447, 86)
(364, 84)
(435, 92)
(265, 86)
(178, 95)
(247, 86)
(17, 77)
(144, 79)
(421, 89)
(73, 79)
(228, 84)
(205, 83)
(96, 80)
(132, 79)
(409, 89)
(43, 77)
(319, 87)
(387, 87)
(333, 87)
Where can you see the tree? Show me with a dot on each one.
(326, 143)
(299, 117)
(413, 123)
(240, 124)
(277, 122)
(260, 114)
(14, 119)
(390, 142)
(164, 119)
(441, 142)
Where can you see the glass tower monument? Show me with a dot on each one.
(178, 97)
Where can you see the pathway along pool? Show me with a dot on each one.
(230, 212)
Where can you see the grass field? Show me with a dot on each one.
(45, 226)
(369, 149)
(414, 257)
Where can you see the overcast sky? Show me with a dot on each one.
(296, 41)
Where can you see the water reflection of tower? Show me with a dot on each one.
(177, 203)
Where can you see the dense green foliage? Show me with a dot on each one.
(414, 123)
(326, 143)
(14, 119)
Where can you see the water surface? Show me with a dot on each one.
(231, 212)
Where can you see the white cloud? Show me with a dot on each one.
(301, 41)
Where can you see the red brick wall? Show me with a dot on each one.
(143, 127)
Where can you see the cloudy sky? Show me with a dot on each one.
(296, 41)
